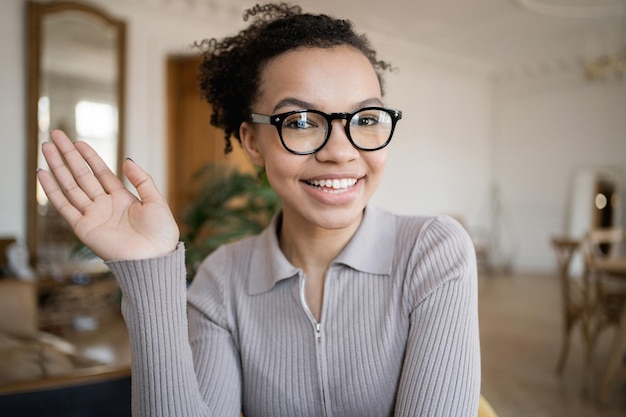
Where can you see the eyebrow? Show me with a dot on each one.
(292, 101)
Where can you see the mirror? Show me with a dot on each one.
(76, 70)
(594, 202)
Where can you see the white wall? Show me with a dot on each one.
(552, 127)
(440, 156)
(460, 130)
(12, 122)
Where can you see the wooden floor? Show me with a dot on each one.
(521, 332)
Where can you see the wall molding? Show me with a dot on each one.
(581, 9)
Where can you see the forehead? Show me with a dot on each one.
(322, 76)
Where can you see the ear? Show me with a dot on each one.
(249, 140)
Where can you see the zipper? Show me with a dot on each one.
(317, 328)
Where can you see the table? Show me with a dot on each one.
(617, 268)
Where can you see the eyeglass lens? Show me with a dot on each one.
(307, 131)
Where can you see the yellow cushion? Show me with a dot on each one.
(485, 409)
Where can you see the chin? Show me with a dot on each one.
(333, 219)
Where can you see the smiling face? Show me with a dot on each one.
(328, 189)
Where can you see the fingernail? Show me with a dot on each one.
(130, 159)
(38, 169)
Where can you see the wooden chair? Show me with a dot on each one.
(574, 297)
(607, 293)
(607, 288)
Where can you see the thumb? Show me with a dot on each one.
(142, 181)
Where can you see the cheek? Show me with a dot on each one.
(377, 161)
(281, 167)
(376, 165)
(267, 147)
(273, 176)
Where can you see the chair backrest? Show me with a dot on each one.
(604, 242)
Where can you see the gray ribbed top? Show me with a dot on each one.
(398, 334)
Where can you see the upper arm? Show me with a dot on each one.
(441, 369)
(216, 363)
(212, 337)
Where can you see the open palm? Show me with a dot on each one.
(104, 215)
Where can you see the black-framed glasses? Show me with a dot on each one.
(304, 132)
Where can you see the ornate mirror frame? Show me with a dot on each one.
(37, 13)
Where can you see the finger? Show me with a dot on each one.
(79, 167)
(56, 197)
(105, 177)
(64, 178)
(147, 190)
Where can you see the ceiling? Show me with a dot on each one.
(505, 35)
(496, 31)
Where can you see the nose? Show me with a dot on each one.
(338, 148)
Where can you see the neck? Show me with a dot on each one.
(312, 248)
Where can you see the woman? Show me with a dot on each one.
(338, 308)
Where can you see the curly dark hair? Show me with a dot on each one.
(231, 67)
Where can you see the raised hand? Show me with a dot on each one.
(105, 216)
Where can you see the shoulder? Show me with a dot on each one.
(427, 234)
(433, 251)
(228, 259)
(221, 274)
(411, 238)
(223, 256)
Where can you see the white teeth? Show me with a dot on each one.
(335, 184)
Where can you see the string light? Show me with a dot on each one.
(606, 66)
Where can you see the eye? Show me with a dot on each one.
(299, 122)
(370, 118)
(366, 120)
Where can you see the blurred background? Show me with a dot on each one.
(510, 106)
(514, 122)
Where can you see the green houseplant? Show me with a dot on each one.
(229, 205)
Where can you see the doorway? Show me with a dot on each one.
(604, 201)
(192, 141)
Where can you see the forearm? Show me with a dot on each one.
(154, 308)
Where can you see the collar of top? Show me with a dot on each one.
(370, 250)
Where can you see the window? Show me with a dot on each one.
(96, 124)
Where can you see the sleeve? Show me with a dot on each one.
(164, 381)
(441, 368)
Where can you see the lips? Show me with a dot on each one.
(335, 185)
